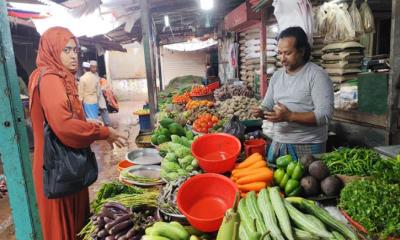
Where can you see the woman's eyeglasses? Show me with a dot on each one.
(68, 50)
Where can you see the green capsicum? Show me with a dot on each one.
(283, 161)
(284, 181)
(290, 168)
(291, 186)
(278, 175)
(298, 171)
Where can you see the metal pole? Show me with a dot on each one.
(159, 65)
(148, 53)
(14, 147)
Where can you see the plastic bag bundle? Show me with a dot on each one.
(235, 128)
(339, 24)
(356, 17)
(320, 18)
(367, 17)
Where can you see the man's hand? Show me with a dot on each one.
(257, 112)
(281, 114)
(115, 137)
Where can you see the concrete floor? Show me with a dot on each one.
(107, 157)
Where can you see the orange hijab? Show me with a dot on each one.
(48, 61)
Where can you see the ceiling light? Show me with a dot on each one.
(166, 21)
(206, 4)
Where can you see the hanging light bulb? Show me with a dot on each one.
(166, 21)
(206, 4)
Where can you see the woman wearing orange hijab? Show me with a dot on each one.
(57, 62)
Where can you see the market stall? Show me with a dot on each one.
(205, 176)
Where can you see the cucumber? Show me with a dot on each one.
(169, 231)
(251, 203)
(264, 203)
(146, 237)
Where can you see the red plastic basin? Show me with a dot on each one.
(204, 199)
(216, 152)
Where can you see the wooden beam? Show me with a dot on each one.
(393, 122)
(360, 118)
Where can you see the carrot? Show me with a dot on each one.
(259, 177)
(249, 172)
(258, 164)
(254, 186)
(250, 160)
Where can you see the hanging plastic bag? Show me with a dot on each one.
(356, 17)
(340, 24)
(367, 17)
(235, 128)
(320, 18)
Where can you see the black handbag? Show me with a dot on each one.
(66, 170)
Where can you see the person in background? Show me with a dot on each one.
(89, 91)
(299, 100)
(102, 102)
(209, 73)
(58, 102)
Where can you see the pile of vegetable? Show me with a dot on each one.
(178, 160)
(200, 90)
(167, 199)
(118, 222)
(129, 176)
(181, 98)
(351, 161)
(318, 179)
(110, 190)
(252, 174)
(193, 114)
(227, 91)
(195, 104)
(269, 216)
(375, 204)
(288, 175)
(173, 231)
(167, 128)
(238, 106)
(205, 122)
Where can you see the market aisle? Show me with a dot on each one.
(107, 157)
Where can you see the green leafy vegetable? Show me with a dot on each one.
(375, 204)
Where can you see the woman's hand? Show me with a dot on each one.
(116, 137)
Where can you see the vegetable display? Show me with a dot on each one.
(238, 106)
(127, 175)
(227, 91)
(269, 216)
(288, 175)
(205, 122)
(110, 190)
(351, 161)
(200, 91)
(193, 114)
(178, 161)
(195, 104)
(167, 128)
(167, 199)
(252, 174)
(377, 207)
(118, 222)
(181, 99)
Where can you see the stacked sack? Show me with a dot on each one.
(271, 50)
(316, 53)
(342, 60)
(250, 55)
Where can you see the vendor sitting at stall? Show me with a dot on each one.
(299, 100)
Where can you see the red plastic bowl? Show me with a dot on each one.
(204, 199)
(216, 152)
